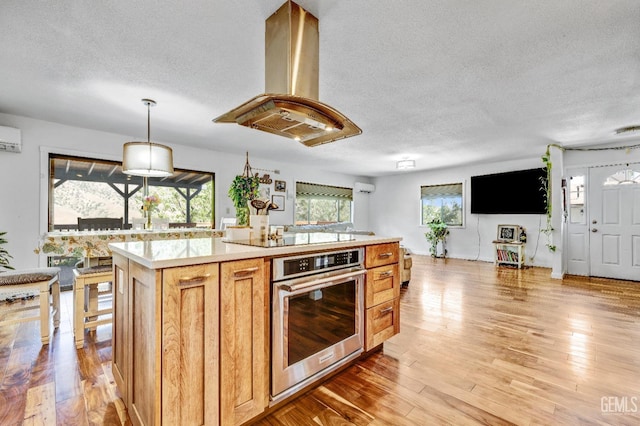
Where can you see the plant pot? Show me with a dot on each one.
(242, 216)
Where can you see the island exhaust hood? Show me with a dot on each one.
(290, 106)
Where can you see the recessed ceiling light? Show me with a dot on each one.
(628, 129)
(405, 164)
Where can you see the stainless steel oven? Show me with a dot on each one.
(317, 317)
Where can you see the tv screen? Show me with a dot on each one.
(516, 192)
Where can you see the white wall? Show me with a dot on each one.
(395, 210)
(23, 179)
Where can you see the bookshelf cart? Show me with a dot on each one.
(509, 253)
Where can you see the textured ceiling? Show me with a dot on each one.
(444, 83)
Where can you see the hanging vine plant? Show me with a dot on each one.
(546, 182)
(545, 187)
(243, 189)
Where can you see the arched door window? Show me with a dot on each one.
(627, 176)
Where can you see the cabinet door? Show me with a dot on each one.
(144, 316)
(120, 341)
(382, 254)
(383, 284)
(190, 357)
(383, 322)
(244, 391)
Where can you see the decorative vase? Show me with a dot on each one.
(148, 225)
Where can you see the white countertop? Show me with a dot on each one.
(157, 254)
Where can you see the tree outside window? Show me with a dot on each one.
(85, 187)
(442, 202)
(322, 204)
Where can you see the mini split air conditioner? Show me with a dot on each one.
(364, 187)
(10, 139)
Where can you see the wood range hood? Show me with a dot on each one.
(290, 107)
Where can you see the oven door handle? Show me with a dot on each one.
(322, 282)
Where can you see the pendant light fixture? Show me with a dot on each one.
(147, 159)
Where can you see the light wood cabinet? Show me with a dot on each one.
(190, 346)
(382, 293)
(383, 284)
(382, 254)
(383, 322)
(244, 328)
(120, 353)
(143, 382)
(166, 343)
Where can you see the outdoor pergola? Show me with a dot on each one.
(187, 183)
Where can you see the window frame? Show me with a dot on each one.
(310, 198)
(49, 157)
(462, 204)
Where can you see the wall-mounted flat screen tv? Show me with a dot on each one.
(516, 192)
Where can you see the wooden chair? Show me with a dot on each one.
(87, 297)
(95, 223)
(43, 280)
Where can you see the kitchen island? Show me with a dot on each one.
(191, 323)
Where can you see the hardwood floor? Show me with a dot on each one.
(479, 345)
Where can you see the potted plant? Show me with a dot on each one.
(4, 254)
(438, 232)
(243, 189)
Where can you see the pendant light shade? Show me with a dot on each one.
(147, 158)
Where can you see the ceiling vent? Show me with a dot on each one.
(290, 107)
(10, 140)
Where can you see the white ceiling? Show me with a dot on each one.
(443, 82)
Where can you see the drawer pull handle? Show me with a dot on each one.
(386, 310)
(386, 273)
(385, 255)
(245, 272)
(193, 280)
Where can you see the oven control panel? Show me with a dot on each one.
(297, 266)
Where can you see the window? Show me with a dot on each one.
(322, 204)
(623, 177)
(576, 200)
(442, 202)
(84, 187)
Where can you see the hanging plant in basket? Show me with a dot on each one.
(243, 189)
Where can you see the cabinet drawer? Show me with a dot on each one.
(381, 254)
(383, 284)
(383, 322)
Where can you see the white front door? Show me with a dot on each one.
(614, 221)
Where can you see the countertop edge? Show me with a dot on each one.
(243, 252)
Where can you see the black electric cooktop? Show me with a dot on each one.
(297, 239)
